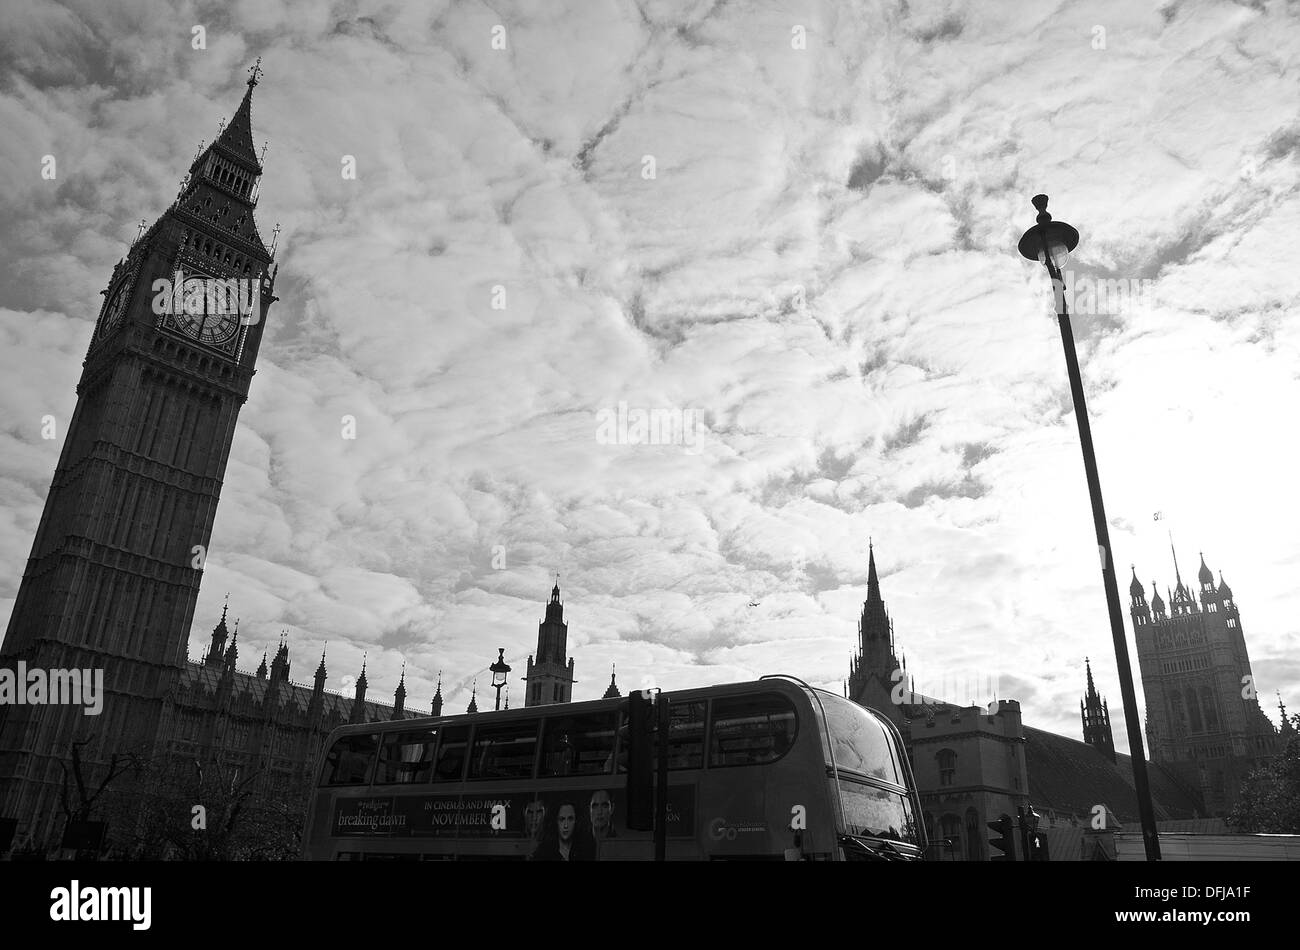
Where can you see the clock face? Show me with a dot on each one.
(207, 312)
(113, 312)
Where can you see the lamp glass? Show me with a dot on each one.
(1060, 251)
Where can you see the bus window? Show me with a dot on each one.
(504, 751)
(350, 760)
(577, 745)
(686, 735)
(751, 730)
(862, 743)
(876, 813)
(450, 765)
(406, 757)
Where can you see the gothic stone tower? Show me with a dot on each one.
(550, 679)
(1203, 718)
(115, 567)
(1095, 714)
(872, 673)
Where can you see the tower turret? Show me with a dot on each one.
(550, 670)
(217, 648)
(1095, 714)
(359, 699)
(399, 696)
(611, 691)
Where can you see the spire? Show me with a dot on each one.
(1224, 590)
(320, 670)
(1135, 589)
(1096, 718)
(399, 695)
(261, 667)
(359, 702)
(1204, 575)
(1285, 728)
(611, 691)
(555, 591)
(473, 699)
(437, 697)
(873, 582)
(232, 654)
(237, 137)
(1178, 579)
(217, 648)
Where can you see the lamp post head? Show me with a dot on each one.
(1046, 236)
(499, 669)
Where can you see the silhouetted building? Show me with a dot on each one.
(1095, 715)
(550, 676)
(115, 567)
(974, 763)
(1203, 716)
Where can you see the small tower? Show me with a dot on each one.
(280, 665)
(317, 702)
(436, 708)
(359, 702)
(217, 648)
(232, 652)
(1157, 605)
(550, 677)
(611, 691)
(1095, 714)
(473, 699)
(1138, 608)
(1180, 602)
(399, 696)
(875, 671)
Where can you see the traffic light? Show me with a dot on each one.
(1003, 841)
(1039, 844)
(640, 762)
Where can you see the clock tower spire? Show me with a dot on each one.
(115, 567)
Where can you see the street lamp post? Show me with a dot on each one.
(1050, 242)
(499, 670)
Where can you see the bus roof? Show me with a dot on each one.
(789, 685)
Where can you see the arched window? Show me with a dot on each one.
(1178, 716)
(1194, 708)
(1211, 714)
(947, 766)
(972, 835)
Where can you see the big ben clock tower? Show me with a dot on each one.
(114, 571)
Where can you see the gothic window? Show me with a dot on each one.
(1211, 715)
(1194, 708)
(1177, 716)
(947, 766)
(972, 835)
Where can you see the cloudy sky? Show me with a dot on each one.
(791, 227)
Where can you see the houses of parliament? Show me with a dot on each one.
(114, 572)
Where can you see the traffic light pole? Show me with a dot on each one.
(661, 789)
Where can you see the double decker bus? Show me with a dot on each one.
(769, 769)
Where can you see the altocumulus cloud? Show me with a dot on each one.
(670, 205)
